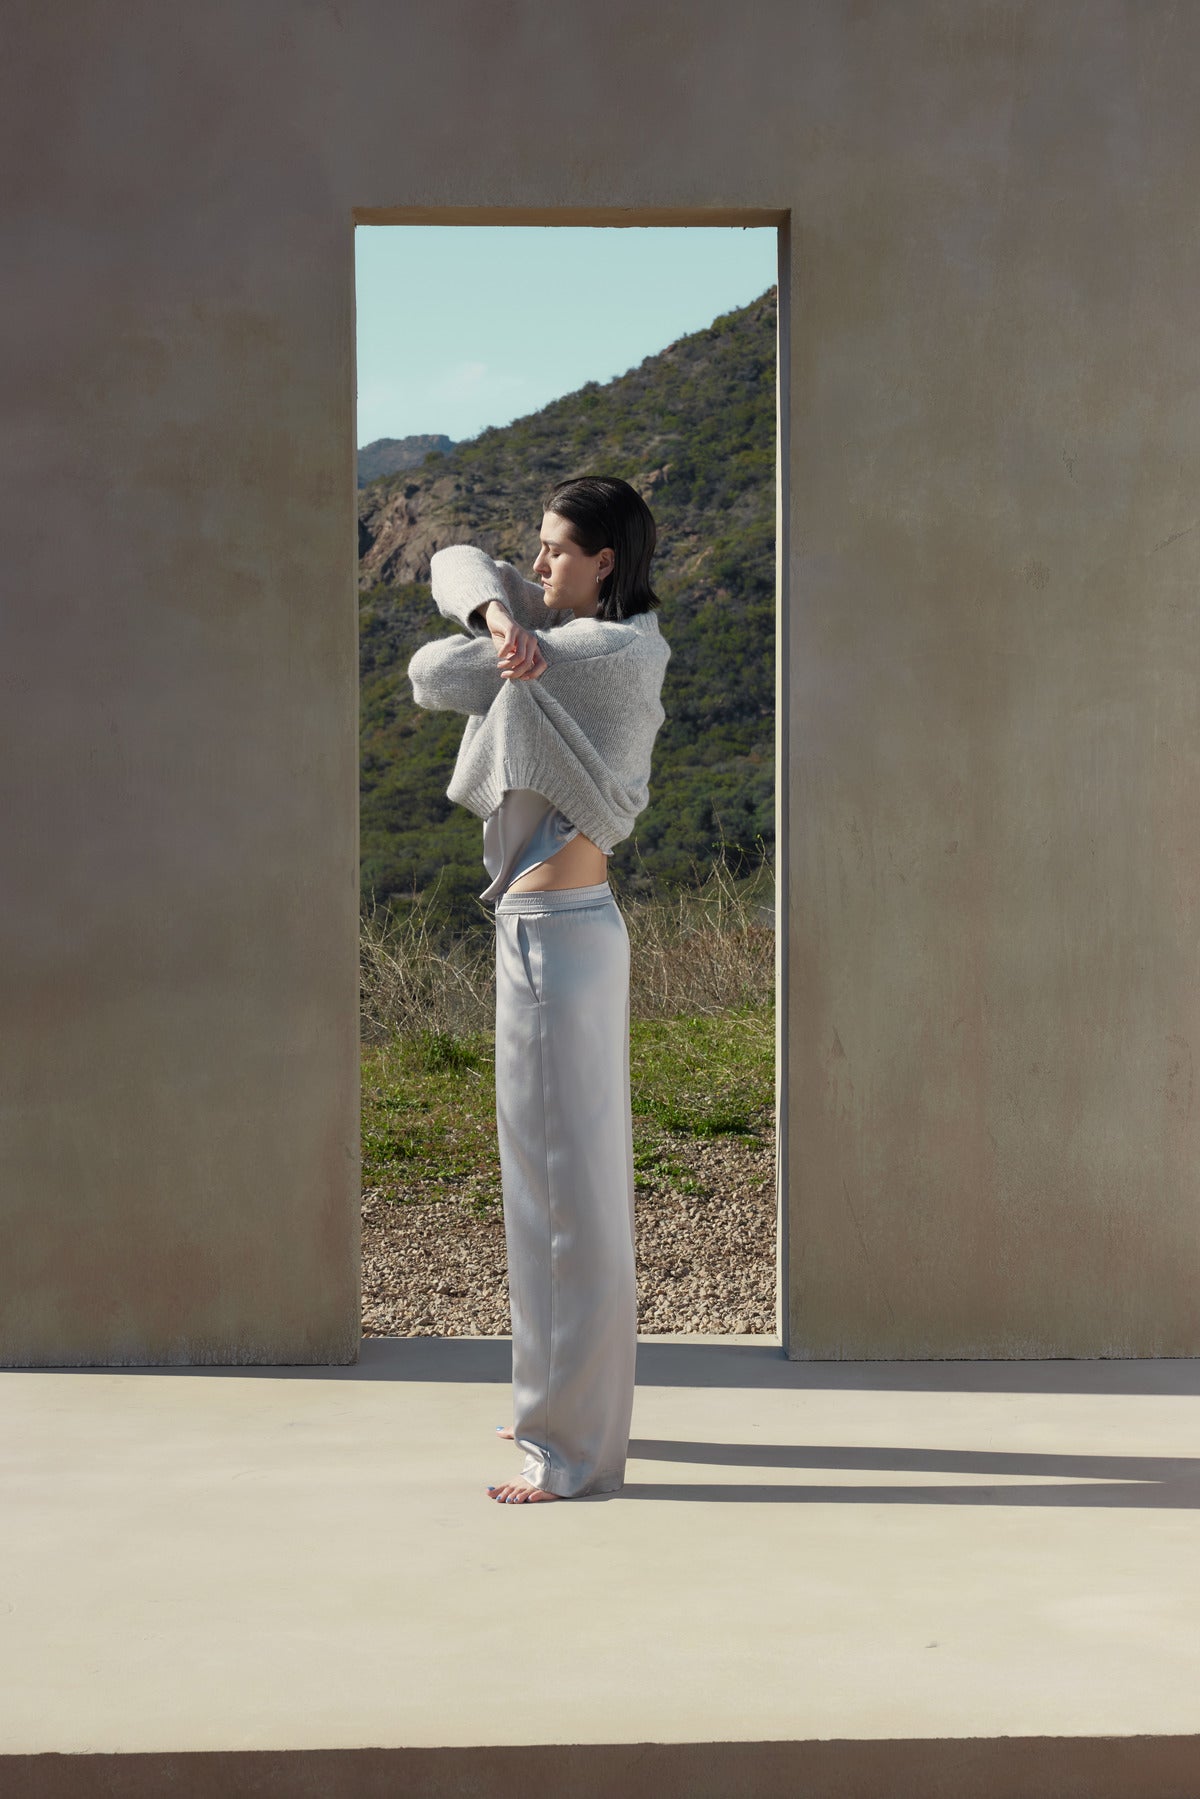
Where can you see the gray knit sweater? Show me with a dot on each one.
(581, 733)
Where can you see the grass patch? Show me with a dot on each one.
(429, 1101)
(705, 1075)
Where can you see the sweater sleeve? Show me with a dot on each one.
(462, 674)
(463, 577)
(456, 674)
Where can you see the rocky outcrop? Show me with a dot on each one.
(400, 526)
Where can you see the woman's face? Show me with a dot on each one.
(567, 575)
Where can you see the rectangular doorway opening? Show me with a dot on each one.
(467, 410)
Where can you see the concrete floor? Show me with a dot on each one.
(841, 1556)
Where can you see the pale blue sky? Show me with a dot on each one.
(465, 326)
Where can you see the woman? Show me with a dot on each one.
(561, 682)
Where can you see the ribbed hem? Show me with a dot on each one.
(481, 789)
(483, 797)
(556, 899)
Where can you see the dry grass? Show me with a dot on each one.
(698, 950)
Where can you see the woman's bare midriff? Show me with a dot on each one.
(577, 864)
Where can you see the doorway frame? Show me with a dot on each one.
(779, 217)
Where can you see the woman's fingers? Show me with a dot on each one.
(516, 653)
(521, 658)
(510, 641)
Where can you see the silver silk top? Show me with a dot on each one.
(525, 829)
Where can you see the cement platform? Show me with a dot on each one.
(852, 1578)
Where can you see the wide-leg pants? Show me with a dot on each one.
(565, 1132)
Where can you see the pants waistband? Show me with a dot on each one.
(554, 899)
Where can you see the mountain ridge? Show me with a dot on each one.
(387, 455)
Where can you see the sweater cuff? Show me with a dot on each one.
(462, 578)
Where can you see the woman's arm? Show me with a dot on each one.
(464, 578)
(526, 600)
(456, 674)
(461, 674)
(488, 614)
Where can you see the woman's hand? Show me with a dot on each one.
(517, 650)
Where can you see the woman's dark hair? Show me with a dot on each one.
(606, 513)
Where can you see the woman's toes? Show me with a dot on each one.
(516, 1493)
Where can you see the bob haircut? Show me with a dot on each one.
(606, 513)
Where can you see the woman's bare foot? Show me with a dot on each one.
(517, 1492)
(505, 1430)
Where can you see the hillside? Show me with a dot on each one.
(693, 429)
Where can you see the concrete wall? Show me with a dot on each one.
(990, 638)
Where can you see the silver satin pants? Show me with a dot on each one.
(565, 1131)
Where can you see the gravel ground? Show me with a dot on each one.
(433, 1266)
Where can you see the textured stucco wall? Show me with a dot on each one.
(991, 638)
